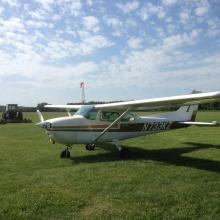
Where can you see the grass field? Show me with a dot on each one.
(172, 175)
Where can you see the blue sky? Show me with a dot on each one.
(122, 50)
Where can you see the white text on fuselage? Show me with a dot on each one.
(156, 126)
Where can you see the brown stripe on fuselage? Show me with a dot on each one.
(131, 127)
(85, 127)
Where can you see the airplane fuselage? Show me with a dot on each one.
(80, 130)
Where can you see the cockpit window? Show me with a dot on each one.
(109, 116)
(130, 116)
(88, 112)
(112, 116)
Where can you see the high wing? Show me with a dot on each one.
(152, 103)
(68, 107)
(163, 102)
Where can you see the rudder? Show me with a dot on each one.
(188, 113)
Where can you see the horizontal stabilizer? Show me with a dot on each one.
(202, 124)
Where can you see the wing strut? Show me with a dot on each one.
(111, 125)
(68, 112)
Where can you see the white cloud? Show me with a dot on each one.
(62, 42)
(43, 82)
(61, 49)
(91, 23)
(157, 69)
(31, 66)
(114, 22)
(134, 43)
(137, 68)
(169, 19)
(20, 44)
(213, 27)
(38, 14)
(194, 34)
(184, 17)
(150, 9)
(202, 8)
(92, 43)
(76, 7)
(117, 25)
(89, 2)
(201, 11)
(56, 17)
(72, 7)
(1, 10)
(169, 2)
(179, 40)
(45, 3)
(173, 41)
(131, 23)
(37, 24)
(143, 13)
(128, 7)
(12, 3)
(13, 24)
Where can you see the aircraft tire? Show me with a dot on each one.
(90, 147)
(65, 154)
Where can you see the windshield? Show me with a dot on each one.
(87, 111)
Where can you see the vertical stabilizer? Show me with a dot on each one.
(187, 113)
(184, 113)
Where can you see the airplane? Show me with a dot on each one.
(99, 123)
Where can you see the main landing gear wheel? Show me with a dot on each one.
(124, 153)
(65, 153)
(90, 147)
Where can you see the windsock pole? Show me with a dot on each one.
(83, 91)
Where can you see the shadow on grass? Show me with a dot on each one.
(173, 156)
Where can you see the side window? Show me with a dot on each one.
(130, 116)
(109, 116)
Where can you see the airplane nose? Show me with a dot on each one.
(41, 124)
(44, 124)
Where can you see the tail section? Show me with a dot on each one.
(187, 113)
(184, 113)
(185, 116)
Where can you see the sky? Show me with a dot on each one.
(121, 50)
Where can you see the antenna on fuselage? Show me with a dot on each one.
(82, 86)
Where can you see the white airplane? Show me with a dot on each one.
(92, 124)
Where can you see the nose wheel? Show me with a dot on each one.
(65, 153)
(90, 147)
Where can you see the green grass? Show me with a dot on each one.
(171, 175)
